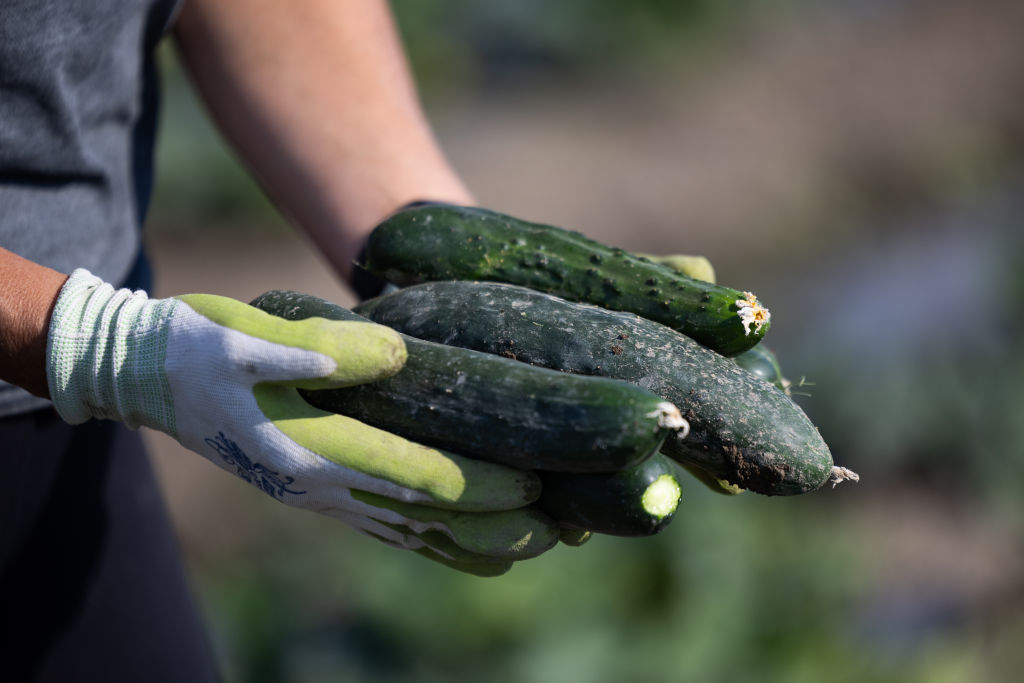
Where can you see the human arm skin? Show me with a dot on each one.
(318, 100)
(27, 293)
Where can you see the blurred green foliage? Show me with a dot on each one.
(461, 43)
(745, 589)
(921, 374)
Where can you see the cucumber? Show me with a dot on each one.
(761, 361)
(445, 242)
(491, 408)
(742, 430)
(637, 501)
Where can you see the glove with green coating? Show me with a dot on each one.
(697, 267)
(221, 377)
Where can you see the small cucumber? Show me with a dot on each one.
(444, 242)
(491, 408)
(637, 501)
(761, 361)
(742, 430)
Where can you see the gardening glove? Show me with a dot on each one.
(221, 377)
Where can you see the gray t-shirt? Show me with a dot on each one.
(78, 111)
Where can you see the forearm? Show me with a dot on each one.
(27, 294)
(319, 102)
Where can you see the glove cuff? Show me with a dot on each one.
(105, 354)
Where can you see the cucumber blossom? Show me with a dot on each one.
(444, 242)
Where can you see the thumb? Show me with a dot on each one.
(360, 351)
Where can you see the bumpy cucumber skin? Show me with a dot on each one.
(443, 242)
(482, 406)
(607, 503)
(742, 430)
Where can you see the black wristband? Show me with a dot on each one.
(365, 284)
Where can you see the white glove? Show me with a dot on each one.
(221, 376)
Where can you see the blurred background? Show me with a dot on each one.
(860, 165)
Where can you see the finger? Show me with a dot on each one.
(574, 537)
(712, 482)
(400, 468)
(356, 352)
(511, 534)
(435, 547)
(481, 568)
(440, 548)
(697, 267)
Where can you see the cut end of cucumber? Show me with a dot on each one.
(662, 497)
(669, 417)
(841, 474)
(752, 314)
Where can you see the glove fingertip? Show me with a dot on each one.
(481, 568)
(697, 267)
(573, 537)
(364, 352)
(713, 483)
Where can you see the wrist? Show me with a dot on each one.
(26, 301)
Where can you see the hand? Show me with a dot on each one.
(221, 377)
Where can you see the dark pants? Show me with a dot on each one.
(91, 582)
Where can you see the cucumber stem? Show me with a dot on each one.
(841, 474)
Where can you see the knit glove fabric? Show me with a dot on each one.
(221, 377)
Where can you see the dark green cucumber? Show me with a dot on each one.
(637, 501)
(490, 408)
(742, 430)
(444, 242)
(762, 361)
